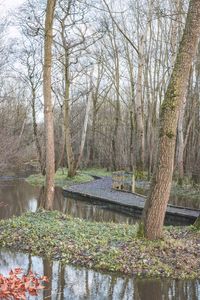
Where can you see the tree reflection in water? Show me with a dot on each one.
(84, 209)
(74, 283)
(19, 196)
(78, 283)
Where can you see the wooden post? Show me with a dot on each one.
(133, 183)
(122, 180)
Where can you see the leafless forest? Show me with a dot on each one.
(111, 65)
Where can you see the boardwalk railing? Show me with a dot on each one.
(122, 180)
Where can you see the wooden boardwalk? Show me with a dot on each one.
(101, 190)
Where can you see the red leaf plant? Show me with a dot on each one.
(17, 285)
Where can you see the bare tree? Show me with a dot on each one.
(156, 203)
(48, 108)
(71, 47)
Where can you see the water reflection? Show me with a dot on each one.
(18, 196)
(85, 209)
(79, 283)
(178, 200)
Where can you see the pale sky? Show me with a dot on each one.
(6, 5)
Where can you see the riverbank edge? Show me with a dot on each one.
(104, 246)
(89, 174)
(62, 180)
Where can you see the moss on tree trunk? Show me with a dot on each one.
(156, 203)
(197, 223)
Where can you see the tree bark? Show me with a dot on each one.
(131, 106)
(35, 133)
(117, 106)
(180, 144)
(197, 222)
(139, 109)
(83, 136)
(156, 203)
(93, 135)
(68, 139)
(48, 107)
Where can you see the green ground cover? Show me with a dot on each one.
(104, 246)
(101, 172)
(186, 190)
(62, 180)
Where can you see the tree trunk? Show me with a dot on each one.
(68, 139)
(72, 163)
(48, 108)
(139, 110)
(116, 78)
(197, 222)
(131, 107)
(131, 150)
(59, 160)
(83, 136)
(156, 203)
(115, 135)
(93, 134)
(180, 144)
(35, 133)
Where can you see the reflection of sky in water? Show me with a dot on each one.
(55, 276)
(32, 204)
(73, 283)
(79, 283)
(19, 197)
(10, 260)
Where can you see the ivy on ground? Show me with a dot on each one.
(104, 246)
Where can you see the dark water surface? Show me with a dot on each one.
(18, 196)
(79, 283)
(73, 283)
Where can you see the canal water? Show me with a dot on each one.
(17, 196)
(73, 283)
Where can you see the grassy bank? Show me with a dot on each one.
(185, 191)
(104, 246)
(101, 172)
(187, 194)
(62, 180)
(85, 175)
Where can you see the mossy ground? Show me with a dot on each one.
(101, 172)
(104, 246)
(185, 191)
(62, 180)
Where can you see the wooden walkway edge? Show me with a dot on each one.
(133, 204)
